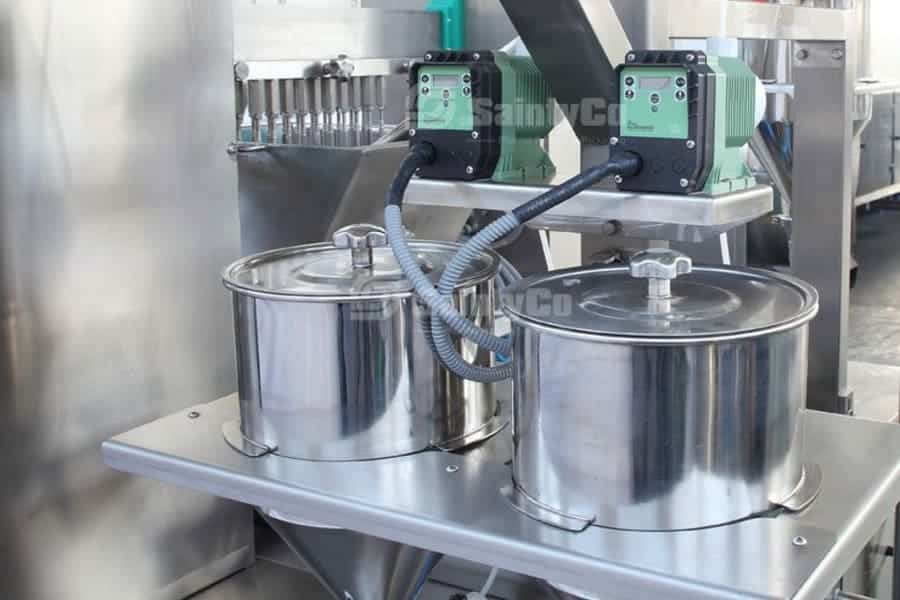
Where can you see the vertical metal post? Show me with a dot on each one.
(824, 77)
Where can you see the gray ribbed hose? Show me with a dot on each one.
(443, 314)
(440, 335)
(441, 308)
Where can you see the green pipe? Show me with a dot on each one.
(453, 22)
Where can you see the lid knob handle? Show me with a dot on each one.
(660, 266)
(361, 239)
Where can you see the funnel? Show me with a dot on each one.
(562, 592)
(300, 194)
(353, 566)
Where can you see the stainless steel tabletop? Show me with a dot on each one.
(426, 501)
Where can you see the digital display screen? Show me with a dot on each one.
(446, 81)
(656, 84)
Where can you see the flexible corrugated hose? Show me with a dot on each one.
(445, 318)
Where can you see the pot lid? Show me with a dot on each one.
(357, 263)
(662, 295)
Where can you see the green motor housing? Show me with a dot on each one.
(485, 112)
(688, 116)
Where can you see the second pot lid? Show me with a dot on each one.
(357, 264)
(661, 295)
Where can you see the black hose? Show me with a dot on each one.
(625, 164)
(419, 156)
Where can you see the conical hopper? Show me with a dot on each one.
(301, 194)
(562, 592)
(353, 566)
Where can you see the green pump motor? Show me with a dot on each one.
(688, 116)
(485, 113)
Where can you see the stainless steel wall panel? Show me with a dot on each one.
(118, 207)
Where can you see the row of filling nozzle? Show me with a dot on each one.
(323, 111)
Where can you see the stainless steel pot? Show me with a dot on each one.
(647, 402)
(333, 362)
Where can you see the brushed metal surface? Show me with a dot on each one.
(577, 44)
(293, 195)
(753, 20)
(658, 438)
(117, 210)
(286, 31)
(357, 380)
(823, 209)
(415, 500)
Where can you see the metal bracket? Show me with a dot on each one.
(494, 426)
(531, 508)
(806, 491)
(237, 440)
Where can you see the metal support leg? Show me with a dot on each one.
(824, 75)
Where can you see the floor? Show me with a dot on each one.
(875, 308)
(874, 375)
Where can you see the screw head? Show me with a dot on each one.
(613, 141)
(193, 415)
(691, 144)
(476, 56)
(429, 56)
(619, 179)
(690, 57)
(837, 54)
(631, 57)
(800, 541)
(802, 54)
(412, 133)
(452, 468)
(684, 183)
(470, 170)
(475, 135)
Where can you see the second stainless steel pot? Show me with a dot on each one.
(333, 362)
(660, 404)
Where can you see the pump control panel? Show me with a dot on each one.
(485, 113)
(688, 116)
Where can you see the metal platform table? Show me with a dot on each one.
(452, 504)
(692, 218)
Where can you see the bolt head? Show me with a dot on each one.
(802, 54)
(684, 183)
(613, 141)
(470, 170)
(476, 56)
(691, 57)
(619, 179)
(452, 468)
(800, 541)
(429, 56)
(691, 144)
(412, 133)
(475, 135)
(631, 58)
(837, 54)
(193, 415)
